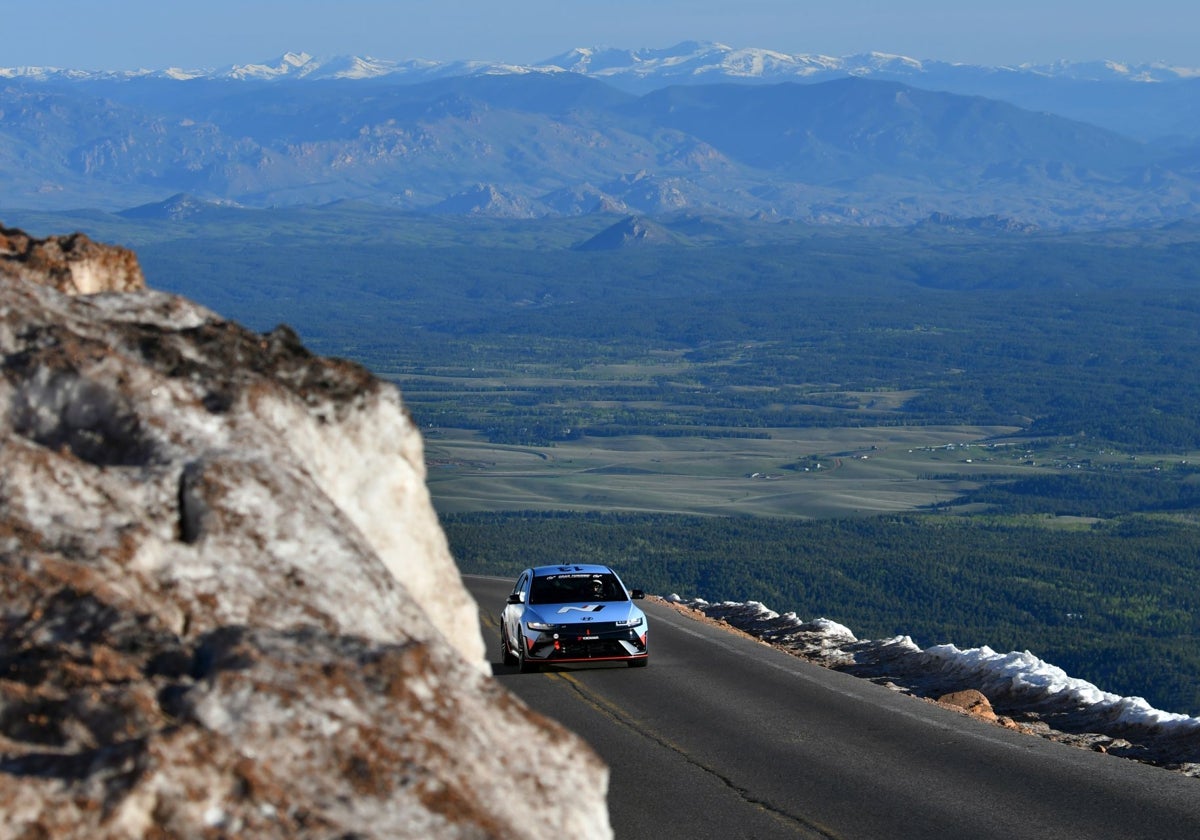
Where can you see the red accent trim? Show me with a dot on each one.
(557, 659)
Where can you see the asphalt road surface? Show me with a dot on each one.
(724, 737)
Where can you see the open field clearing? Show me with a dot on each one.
(807, 473)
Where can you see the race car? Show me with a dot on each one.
(578, 613)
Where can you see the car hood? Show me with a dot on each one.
(591, 612)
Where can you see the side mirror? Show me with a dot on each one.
(514, 598)
(636, 594)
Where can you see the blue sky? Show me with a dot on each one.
(127, 34)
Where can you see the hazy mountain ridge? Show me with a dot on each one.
(1146, 100)
(823, 141)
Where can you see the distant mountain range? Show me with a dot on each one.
(697, 128)
(687, 62)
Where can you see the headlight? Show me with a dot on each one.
(633, 622)
(539, 625)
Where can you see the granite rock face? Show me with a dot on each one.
(227, 606)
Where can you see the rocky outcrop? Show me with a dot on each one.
(630, 232)
(71, 264)
(485, 200)
(972, 702)
(976, 224)
(228, 608)
(178, 208)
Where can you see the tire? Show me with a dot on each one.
(523, 663)
(506, 654)
(639, 663)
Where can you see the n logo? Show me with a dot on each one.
(588, 608)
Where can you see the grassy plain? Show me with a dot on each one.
(805, 473)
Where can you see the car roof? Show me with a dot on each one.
(574, 568)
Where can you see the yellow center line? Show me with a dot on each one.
(622, 717)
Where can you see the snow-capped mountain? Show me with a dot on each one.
(686, 62)
(290, 66)
(707, 61)
(694, 61)
(1099, 71)
(691, 59)
(304, 66)
(1146, 100)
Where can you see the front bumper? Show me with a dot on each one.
(586, 643)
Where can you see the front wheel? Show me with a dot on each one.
(506, 654)
(523, 662)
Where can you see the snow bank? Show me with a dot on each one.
(1019, 683)
(1024, 677)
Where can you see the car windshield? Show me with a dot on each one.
(574, 587)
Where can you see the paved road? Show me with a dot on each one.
(722, 737)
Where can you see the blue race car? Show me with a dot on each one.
(572, 614)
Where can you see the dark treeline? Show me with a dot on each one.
(1085, 493)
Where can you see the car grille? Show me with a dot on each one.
(591, 628)
(593, 649)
